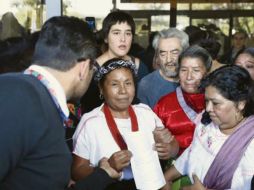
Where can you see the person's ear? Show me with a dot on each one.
(241, 105)
(84, 67)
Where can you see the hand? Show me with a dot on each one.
(104, 164)
(163, 139)
(120, 160)
(196, 186)
(163, 150)
(167, 186)
(162, 135)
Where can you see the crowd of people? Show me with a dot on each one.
(188, 124)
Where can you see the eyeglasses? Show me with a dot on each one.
(93, 64)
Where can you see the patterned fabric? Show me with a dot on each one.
(199, 156)
(51, 91)
(75, 115)
(112, 66)
(219, 175)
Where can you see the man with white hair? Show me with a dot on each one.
(168, 44)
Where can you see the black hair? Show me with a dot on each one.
(249, 51)
(62, 42)
(114, 17)
(211, 45)
(16, 53)
(235, 84)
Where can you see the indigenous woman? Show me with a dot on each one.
(179, 109)
(221, 153)
(101, 132)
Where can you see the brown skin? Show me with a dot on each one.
(223, 112)
(118, 90)
(81, 168)
(104, 164)
(170, 175)
(191, 72)
(165, 143)
(119, 160)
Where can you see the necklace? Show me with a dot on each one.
(113, 127)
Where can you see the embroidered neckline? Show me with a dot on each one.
(51, 91)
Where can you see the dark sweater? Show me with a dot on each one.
(33, 151)
(34, 154)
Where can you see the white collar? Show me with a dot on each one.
(60, 95)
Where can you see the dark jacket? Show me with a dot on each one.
(34, 154)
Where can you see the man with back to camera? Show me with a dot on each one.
(168, 45)
(34, 154)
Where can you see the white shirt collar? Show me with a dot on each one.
(60, 95)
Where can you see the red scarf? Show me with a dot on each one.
(195, 101)
(113, 127)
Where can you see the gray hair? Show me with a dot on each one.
(196, 51)
(171, 33)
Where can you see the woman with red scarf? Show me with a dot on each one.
(126, 134)
(221, 153)
(179, 109)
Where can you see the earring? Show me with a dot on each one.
(101, 96)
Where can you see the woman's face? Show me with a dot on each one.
(239, 40)
(223, 112)
(118, 89)
(246, 61)
(191, 71)
(119, 39)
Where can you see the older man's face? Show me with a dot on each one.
(168, 53)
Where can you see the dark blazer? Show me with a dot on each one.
(33, 151)
(34, 154)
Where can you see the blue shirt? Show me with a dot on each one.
(152, 87)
